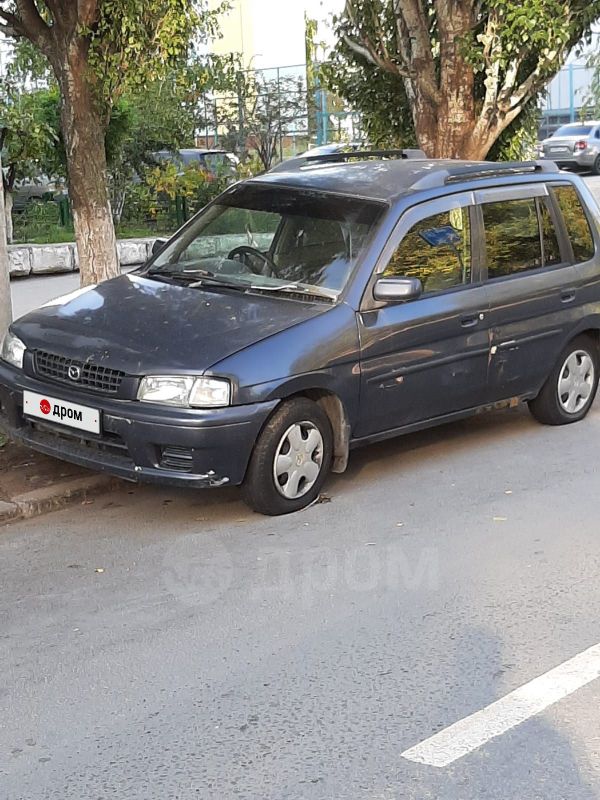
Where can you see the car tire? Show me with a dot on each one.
(569, 391)
(298, 436)
(596, 166)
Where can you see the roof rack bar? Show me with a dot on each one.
(499, 168)
(481, 171)
(363, 154)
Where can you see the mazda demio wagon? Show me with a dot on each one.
(348, 298)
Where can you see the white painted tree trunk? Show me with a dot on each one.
(5, 298)
(8, 211)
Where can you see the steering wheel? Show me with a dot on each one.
(245, 250)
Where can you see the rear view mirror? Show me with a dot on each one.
(397, 290)
(158, 245)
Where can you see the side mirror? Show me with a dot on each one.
(158, 245)
(397, 290)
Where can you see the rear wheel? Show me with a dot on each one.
(569, 392)
(596, 166)
(291, 459)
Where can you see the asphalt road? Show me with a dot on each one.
(159, 645)
(162, 645)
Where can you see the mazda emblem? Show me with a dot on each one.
(74, 372)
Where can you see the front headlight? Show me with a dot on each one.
(12, 350)
(176, 390)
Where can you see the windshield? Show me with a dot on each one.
(270, 238)
(573, 130)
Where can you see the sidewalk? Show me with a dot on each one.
(33, 484)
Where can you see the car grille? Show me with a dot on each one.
(92, 376)
(110, 445)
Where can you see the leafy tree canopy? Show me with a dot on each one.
(452, 76)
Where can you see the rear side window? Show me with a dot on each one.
(437, 250)
(576, 221)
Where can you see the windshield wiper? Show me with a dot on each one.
(195, 278)
(294, 288)
(193, 273)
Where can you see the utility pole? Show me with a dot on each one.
(5, 299)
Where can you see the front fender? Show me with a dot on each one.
(318, 353)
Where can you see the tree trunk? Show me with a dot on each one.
(8, 207)
(442, 133)
(5, 298)
(83, 130)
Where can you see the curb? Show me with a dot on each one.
(55, 496)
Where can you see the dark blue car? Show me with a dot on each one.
(306, 312)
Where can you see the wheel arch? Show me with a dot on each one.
(337, 414)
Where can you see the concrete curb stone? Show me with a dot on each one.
(60, 494)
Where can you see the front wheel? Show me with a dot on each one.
(569, 392)
(291, 459)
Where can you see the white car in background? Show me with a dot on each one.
(576, 145)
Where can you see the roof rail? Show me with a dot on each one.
(335, 158)
(364, 154)
(481, 171)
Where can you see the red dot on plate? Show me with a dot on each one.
(45, 407)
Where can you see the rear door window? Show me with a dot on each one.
(578, 227)
(512, 237)
(519, 236)
(551, 253)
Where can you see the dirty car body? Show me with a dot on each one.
(307, 312)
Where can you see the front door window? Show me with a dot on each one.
(436, 250)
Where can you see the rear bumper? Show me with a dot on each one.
(584, 160)
(139, 442)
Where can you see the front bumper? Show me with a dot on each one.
(138, 441)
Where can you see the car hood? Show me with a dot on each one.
(144, 326)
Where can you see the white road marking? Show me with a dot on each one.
(473, 731)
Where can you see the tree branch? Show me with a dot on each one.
(87, 12)
(370, 54)
(12, 25)
(421, 60)
(34, 27)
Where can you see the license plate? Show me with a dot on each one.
(559, 149)
(51, 409)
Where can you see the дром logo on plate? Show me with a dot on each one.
(45, 407)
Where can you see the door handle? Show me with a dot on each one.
(567, 296)
(471, 321)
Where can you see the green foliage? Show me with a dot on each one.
(28, 133)
(379, 96)
(134, 43)
(519, 140)
(591, 101)
(28, 66)
(38, 222)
